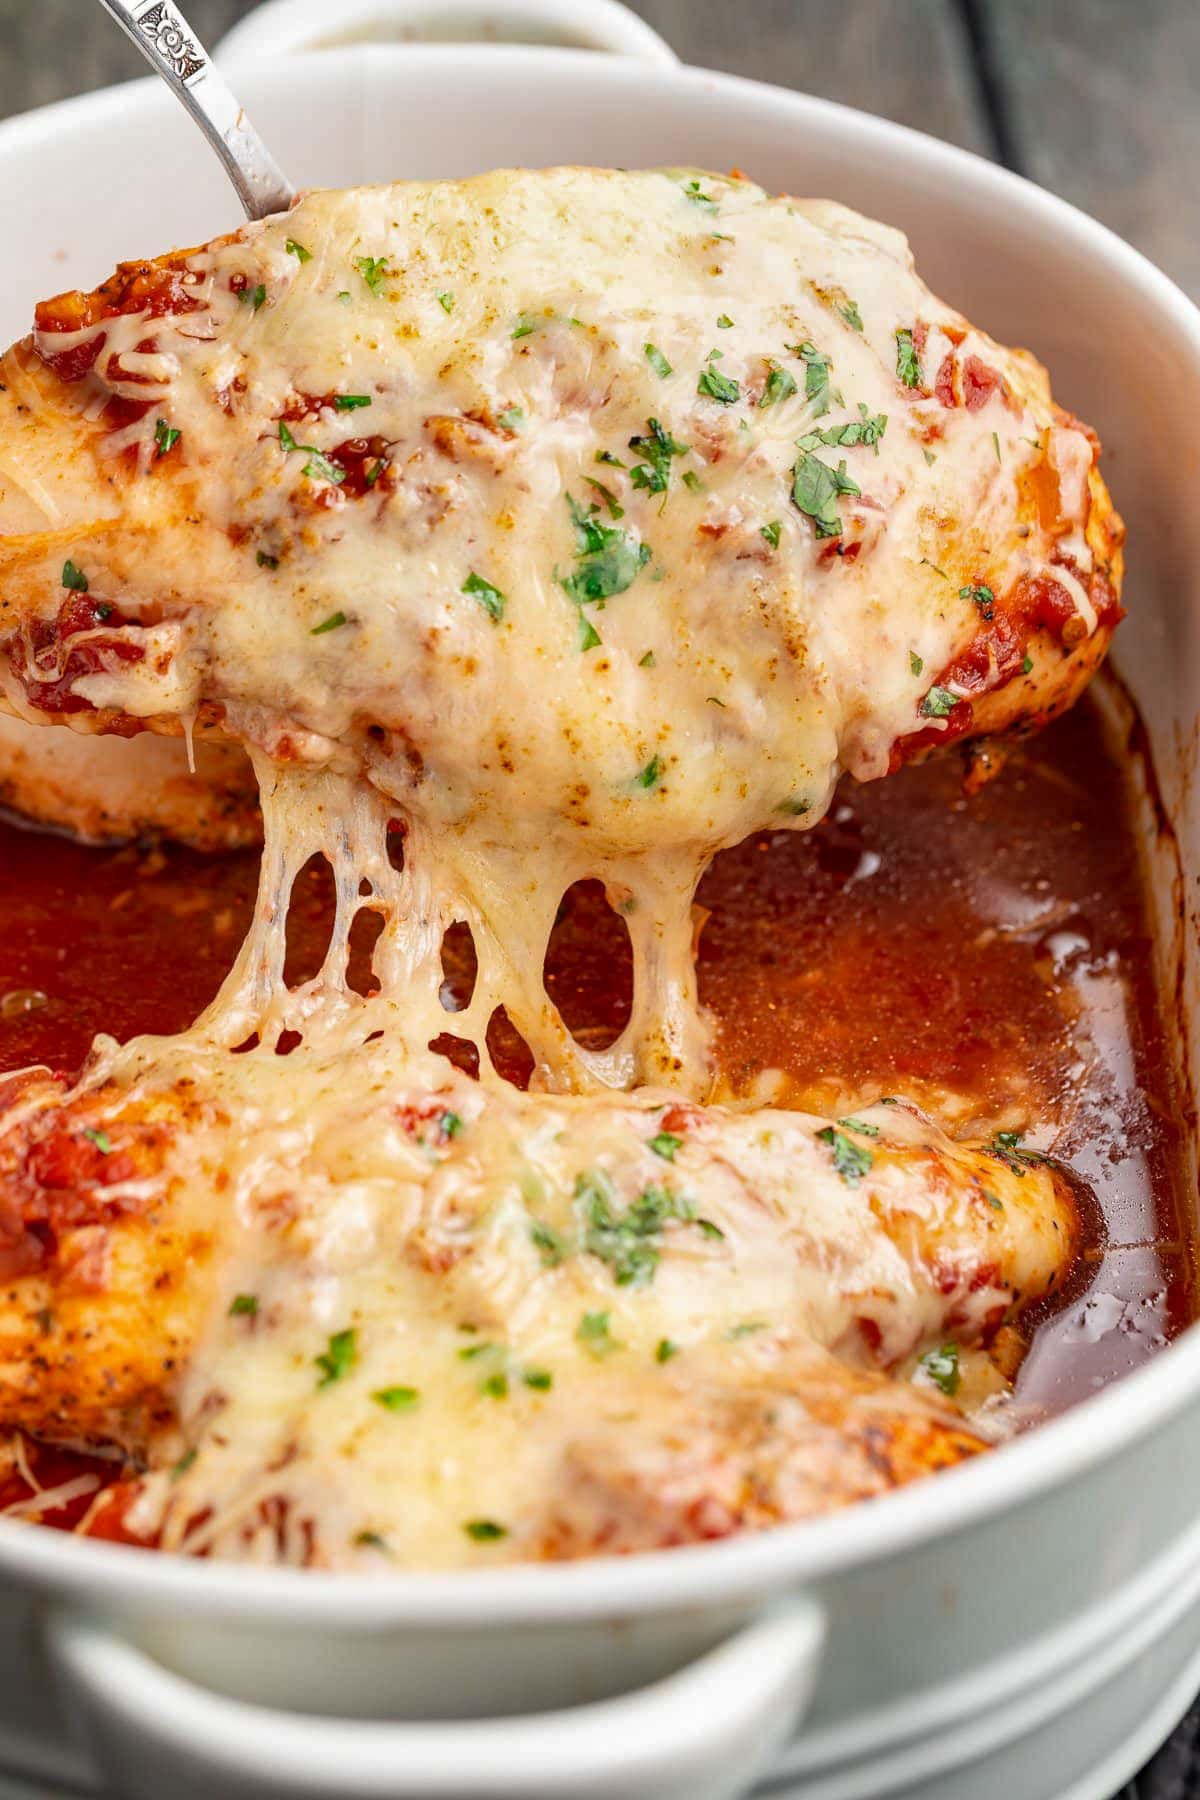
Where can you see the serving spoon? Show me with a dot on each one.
(173, 50)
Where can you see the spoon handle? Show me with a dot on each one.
(169, 44)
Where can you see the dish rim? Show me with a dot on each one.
(807, 1552)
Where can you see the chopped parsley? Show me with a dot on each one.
(867, 429)
(74, 578)
(1007, 1146)
(396, 1399)
(715, 386)
(372, 1540)
(657, 360)
(695, 194)
(298, 251)
(665, 1145)
(1026, 665)
(266, 561)
(849, 1159)
(339, 1358)
(647, 661)
(780, 385)
(796, 808)
(485, 1531)
(771, 533)
(184, 1464)
(691, 480)
(548, 1243)
(470, 1351)
(512, 419)
(982, 596)
(664, 1350)
(849, 311)
(489, 597)
(609, 561)
(615, 509)
(332, 623)
(243, 1306)
(540, 1380)
(938, 703)
(350, 402)
(915, 662)
(372, 269)
(710, 1229)
(908, 363)
(165, 437)
(319, 467)
(941, 1366)
(816, 489)
(606, 456)
(452, 1126)
(101, 1140)
(525, 324)
(994, 1201)
(650, 775)
(658, 447)
(593, 1332)
(724, 322)
(495, 1386)
(817, 390)
(446, 302)
(863, 1125)
(627, 1241)
(253, 297)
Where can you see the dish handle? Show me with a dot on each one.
(281, 27)
(707, 1732)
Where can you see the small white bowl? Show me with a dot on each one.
(290, 25)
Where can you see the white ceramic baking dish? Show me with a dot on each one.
(1023, 1628)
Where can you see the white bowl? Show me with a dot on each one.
(1028, 1625)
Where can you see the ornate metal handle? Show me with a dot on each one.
(173, 50)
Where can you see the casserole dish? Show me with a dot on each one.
(1028, 1625)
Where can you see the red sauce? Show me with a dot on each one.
(916, 941)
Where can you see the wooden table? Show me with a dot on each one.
(1095, 99)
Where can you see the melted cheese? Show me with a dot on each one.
(589, 618)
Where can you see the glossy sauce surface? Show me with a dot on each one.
(988, 956)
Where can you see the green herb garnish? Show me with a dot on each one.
(165, 437)
(941, 1366)
(101, 1139)
(715, 386)
(908, 363)
(938, 703)
(372, 269)
(657, 360)
(396, 1399)
(339, 1358)
(489, 597)
(665, 1145)
(350, 402)
(74, 578)
(243, 1306)
(849, 1159)
(485, 1531)
(771, 533)
(332, 623)
(298, 251)
(780, 385)
(982, 596)
(816, 489)
(658, 447)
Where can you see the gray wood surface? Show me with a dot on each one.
(1096, 99)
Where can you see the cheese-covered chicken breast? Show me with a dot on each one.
(393, 1318)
